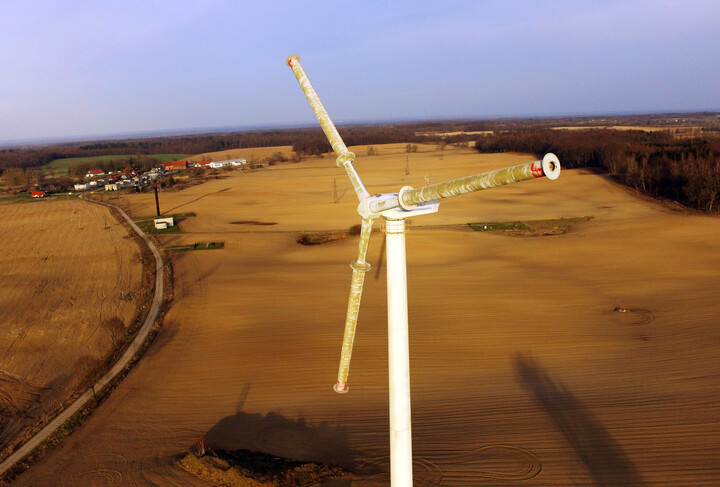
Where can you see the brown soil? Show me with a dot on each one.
(522, 370)
(71, 283)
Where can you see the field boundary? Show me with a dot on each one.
(127, 357)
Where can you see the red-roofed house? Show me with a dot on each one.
(203, 164)
(38, 194)
(175, 165)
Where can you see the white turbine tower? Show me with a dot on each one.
(395, 207)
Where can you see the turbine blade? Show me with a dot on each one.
(345, 158)
(359, 267)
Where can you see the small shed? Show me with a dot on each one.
(163, 223)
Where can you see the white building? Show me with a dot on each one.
(163, 223)
(228, 162)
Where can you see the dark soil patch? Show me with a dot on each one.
(247, 468)
(317, 238)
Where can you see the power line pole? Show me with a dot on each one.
(157, 201)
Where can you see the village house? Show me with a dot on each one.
(93, 173)
(175, 165)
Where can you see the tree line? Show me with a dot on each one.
(686, 170)
(140, 163)
(683, 169)
(305, 142)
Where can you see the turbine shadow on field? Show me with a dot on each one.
(198, 285)
(166, 212)
(606, 461)
(275, 434)
(380, 260)
(340, 196)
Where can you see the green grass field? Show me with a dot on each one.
(198, 246)
(497, 226)
(25, 197)
(531, 227)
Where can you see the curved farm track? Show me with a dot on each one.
(524, 369)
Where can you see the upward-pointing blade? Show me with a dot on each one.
(359, 267)
(345, 158)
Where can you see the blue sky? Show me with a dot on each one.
(74, 68)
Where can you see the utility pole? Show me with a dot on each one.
(157, 201)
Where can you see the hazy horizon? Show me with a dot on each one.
(75, 71)
(41, 141)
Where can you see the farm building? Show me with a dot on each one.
(163, 223)
(82, 186)
(175, 165)
(38, 194)
(93, 173)
(229, 162)
(204, 164)
(111, 187)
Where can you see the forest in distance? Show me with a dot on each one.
(672, 156)
(661, 164)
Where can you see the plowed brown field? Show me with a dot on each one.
(68, 272)
(588, 358)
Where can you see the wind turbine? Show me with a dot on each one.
(395, 207)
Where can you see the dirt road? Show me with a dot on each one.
(121, 364)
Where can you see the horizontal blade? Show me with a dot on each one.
(408, 197)
(549, 167)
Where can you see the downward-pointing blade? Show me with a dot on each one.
(359, 267)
